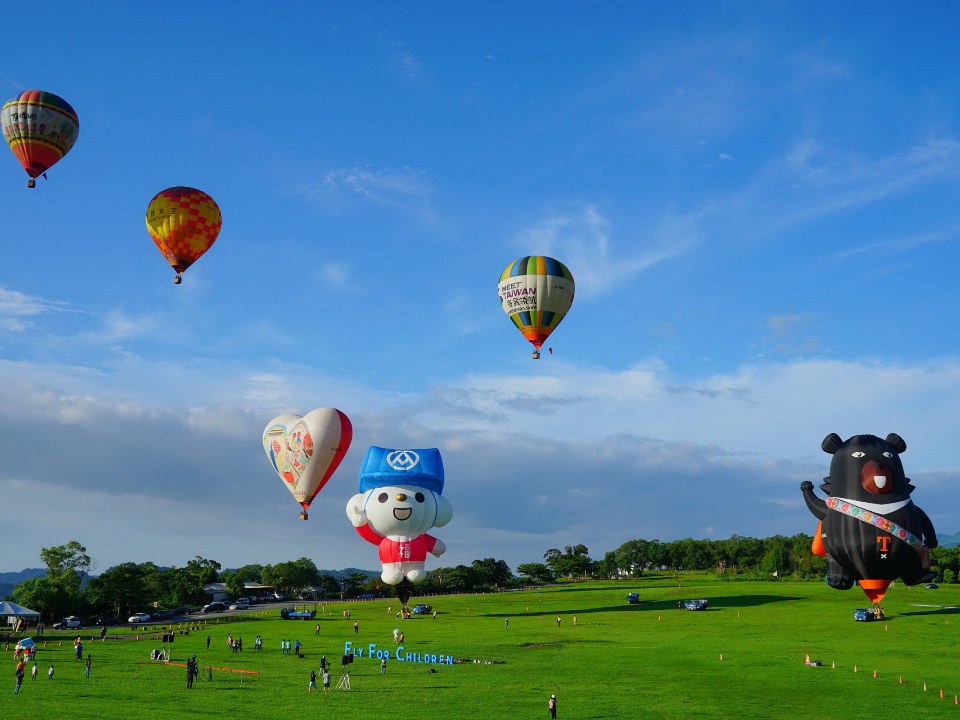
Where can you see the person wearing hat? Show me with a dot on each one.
(552, 706)
(400, 499)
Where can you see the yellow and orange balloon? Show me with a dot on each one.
(183, 223)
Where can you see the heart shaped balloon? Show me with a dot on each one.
(306, 451)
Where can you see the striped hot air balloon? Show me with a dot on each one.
(536, 292)
(40, 128)
(184, 223)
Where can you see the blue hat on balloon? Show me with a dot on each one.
(382, 467)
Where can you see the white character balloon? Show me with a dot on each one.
(400, 500)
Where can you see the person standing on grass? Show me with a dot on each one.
(313, 681)
(558, 621)
(189, 674)
(317, 631)
(323, 664)
(19, 677)
(552, 706)
(239, 644)
(50, 673)
(326, 681)
(296, 648)
(33, 672)
(383, 665)
(86, 666)
(401, 638)
(574, 619)
(506, 623)
(356, 626)
(208, 642)
(79, 649)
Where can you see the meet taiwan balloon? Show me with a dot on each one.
(401, 499)
(306, 451)
(870, 531)
(183, 223)
(40, 128)
(536, 292)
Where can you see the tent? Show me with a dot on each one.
(16, 612)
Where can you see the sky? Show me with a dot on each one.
(757, 202)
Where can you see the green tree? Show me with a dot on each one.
(536, 571)
(42, 595)
(120, 589)
(234, 583)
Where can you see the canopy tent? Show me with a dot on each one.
(12, 610)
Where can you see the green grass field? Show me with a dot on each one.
(637, 661)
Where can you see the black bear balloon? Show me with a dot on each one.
(870, 531)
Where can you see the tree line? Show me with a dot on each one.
(68, 588)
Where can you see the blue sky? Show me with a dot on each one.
(758, 205)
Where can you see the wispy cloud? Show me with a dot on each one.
(582, 239)
(403, 62)
(404, 188)
(16, 306)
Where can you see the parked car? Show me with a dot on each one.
(139, 618)
(244, 600)
(864, 614)
(422, 609)
(694, 604)
(239, 606)
(183, 611)
(106, 620)
(931, 586)
(633, 598)
(70, 622)
(162, 614)
(213, 607)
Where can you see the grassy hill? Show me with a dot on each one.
(645, 661)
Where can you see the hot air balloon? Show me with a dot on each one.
(401, 499)
(306, 451)
(536, 292)
(183, 223)
(40, 129)
(870, 531)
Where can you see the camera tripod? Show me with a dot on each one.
(344, 682)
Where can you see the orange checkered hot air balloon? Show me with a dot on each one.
(40, 128)
(183, 223)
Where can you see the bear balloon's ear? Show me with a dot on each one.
(831, 443)
(897, 442)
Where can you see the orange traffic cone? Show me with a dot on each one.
(901, 679)
(738, 614)
(721, 656)
(874, 673)
(924, 687)
(60, 645)
(658, 617)
(885, 628)
(854, 668)
(941, 692)
(44, 643)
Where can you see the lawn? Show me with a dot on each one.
(638, 661)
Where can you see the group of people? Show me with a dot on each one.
(193, 669)
(397, 637)
(235, 644)
(285, 647)
(325, 676)
(22, 671)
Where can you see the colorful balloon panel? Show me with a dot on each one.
(183, 223)
(306, 451)
(40, 128)
(536, 292)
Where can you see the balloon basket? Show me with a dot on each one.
(536, 354)
(303, 515)
(177, 280)
(31, 183)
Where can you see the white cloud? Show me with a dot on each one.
(581, 239)
(724, 156)
(404, 189)
(15, 306)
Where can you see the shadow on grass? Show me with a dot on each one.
(715, 604)
(932, 611)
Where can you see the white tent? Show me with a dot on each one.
(14, 612)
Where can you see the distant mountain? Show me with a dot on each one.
(949, 540)
(348, 571)
(25, 574)
(9, 580)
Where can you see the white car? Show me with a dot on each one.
(239, 606)
(142, 617)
